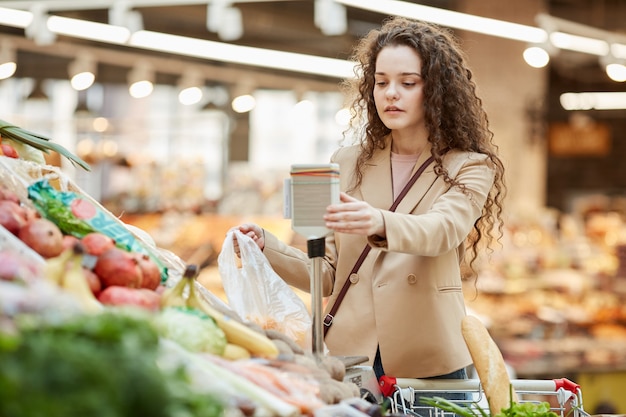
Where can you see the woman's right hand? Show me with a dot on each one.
(253, 231)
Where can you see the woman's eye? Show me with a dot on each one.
(380, 83)
(408, 84)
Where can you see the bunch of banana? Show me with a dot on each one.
(66, 271)
(242, 340)
(55, 268)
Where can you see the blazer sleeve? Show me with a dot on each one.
(447, 222)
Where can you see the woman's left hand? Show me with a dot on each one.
(355, 217)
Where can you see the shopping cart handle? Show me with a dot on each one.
(387, 384)
(567, 385)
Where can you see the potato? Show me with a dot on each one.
(335, 367)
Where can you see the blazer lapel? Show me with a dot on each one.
(376, 187)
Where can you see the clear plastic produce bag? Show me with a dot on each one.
(257, 294)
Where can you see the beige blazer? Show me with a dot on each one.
(407, 296)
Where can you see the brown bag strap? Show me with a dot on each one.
(328, 319)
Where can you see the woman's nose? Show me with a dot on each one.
(392, 92)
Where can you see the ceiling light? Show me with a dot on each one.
(224, 20)
(15, 18)
(8, 61)
(84, 29)
(579, 43)
(141, 80)
(536, 56)
(190, 91)
(330, 17)
(615, 67)
(82, 72)
(244, 103)
(616, 71)
(452, 19)
(594, 101)
(246, 55)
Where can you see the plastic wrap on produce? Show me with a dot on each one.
(8, 241)
(50, 188)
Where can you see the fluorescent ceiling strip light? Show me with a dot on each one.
(307, 63)
(15, 18)
(579, 43)
(88, 30)
(452, 19)
(181, 45)
(244, 55)
(594, 101)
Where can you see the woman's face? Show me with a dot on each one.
(398, 88)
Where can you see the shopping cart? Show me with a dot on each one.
(404, 395)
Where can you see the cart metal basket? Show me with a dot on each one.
(563, 395)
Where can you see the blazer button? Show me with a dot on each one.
(354, 278)
(412, 279)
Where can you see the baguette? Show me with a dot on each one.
(489, 365)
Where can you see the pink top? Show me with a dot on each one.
(401, 168)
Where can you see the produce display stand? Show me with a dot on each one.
(283, 381)
(563, 395)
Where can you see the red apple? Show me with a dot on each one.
(150, 272)
(69, 241)
(125, 296)
(8, 150)
(43, 236)
(118, 267)
(93, 280)
(96, 243)
(12, 216)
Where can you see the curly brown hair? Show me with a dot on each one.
(453, 112)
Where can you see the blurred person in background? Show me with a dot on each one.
(414, 97)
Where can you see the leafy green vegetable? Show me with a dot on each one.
(192, 329)
(100, 365)
(38, 141)
(444, 404)
(517, 409)
(528, 409)
(49, 204)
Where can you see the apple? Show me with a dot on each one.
(97, 243)
(150, 272)
(117, 267)
(125, 296)
(43, 236)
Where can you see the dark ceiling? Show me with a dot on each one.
(283, 25)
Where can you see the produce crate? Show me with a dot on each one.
(19, 174)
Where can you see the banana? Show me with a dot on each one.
(174, 296)
(236, 332)
(76, 283)
(235, 352)
(54, 269)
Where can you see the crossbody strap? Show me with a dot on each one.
(328, 319)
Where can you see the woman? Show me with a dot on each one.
(415, 98)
